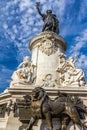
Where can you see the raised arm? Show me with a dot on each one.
(38, 9)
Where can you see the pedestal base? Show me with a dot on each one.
(13, 123)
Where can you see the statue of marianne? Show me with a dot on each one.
(50, 20)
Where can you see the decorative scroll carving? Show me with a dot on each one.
(69, 74)
(48, 45)
(25, 74)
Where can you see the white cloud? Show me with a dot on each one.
(35, 29)
(82, 61)
(5, 26)
(5, 75)
(82, 64)
(80, 42)
(24, 4)
(6, 70)
(75, 49)
(15, 28)
(83, 10)
(61, 6)
(30, 11)
(42, 1)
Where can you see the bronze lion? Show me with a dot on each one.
(63, 107)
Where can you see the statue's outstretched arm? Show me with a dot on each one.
(38, 9)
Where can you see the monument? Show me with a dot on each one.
(50, 88)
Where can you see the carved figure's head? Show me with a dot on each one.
(26, 58)
(26, 61)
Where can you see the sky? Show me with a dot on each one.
(20, 22)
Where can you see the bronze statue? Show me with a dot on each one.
(50, 20)
(64, 107)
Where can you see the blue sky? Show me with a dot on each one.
(19, 22)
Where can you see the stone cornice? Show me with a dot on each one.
(37, 39)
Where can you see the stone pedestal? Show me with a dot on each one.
(46, 48)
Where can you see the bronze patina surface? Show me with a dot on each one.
(50, 20)
(64, 107)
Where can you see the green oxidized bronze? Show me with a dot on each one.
(64, 107)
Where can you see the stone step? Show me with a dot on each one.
(3, 123)
(13, 123)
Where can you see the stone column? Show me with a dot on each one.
(46, 48)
